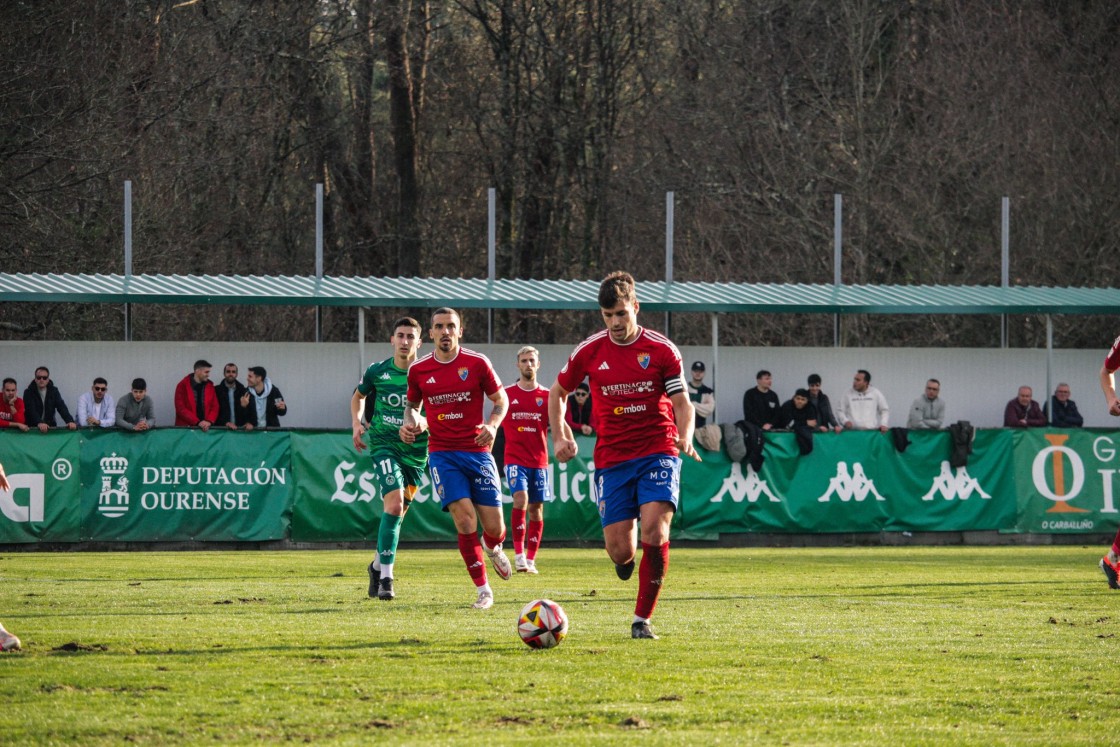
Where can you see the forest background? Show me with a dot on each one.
(582, 114)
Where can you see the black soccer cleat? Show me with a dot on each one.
(385, 593)
(373, 578)
(624, 570)
(642, 630)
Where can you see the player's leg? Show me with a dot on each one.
(516, 479)
(453, 486)
(1110, 563)
(540, 492)
(486, 494)
(8, 642)
(616, 490)
(388, 535)
(658, 493)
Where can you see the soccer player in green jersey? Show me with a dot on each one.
(399, 457)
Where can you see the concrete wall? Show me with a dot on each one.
(318, 379)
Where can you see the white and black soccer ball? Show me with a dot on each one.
(542, 624)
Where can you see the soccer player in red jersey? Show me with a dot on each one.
(526, 459)
(645, 422)
(1110, 563)
(452, 383)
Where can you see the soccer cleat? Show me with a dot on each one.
(374, 575)
(385, 592)
(624, 571)
(1110, 572)
(642, 630)
(485, 599)
(8, 642)
(532, 567)
(520, 564)
(501, 563)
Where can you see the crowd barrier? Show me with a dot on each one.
(312, 486)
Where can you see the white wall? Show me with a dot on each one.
(318, 379)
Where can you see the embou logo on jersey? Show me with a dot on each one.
(643, 360)
(846, 487)
(738, 486)
(463, 373)
(954, 485)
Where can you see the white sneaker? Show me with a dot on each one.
(520, 564)
(501, 563)
(8, 642)
(485, 599)
(532, 566)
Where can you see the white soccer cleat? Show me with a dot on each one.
(520, 564)
(501, 563)
(532, 567)
(485, 599)
(8, 642)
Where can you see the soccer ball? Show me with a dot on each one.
(542, 624)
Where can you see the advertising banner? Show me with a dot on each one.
(42, 505)
(184, 484)
(1066, 480)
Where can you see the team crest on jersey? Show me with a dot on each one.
(463, 373)
(540, 401)
(643, 360)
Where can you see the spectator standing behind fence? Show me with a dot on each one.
(863, 407)
(826, 418)
(42, 401)
(928, 410)
(196, 402)
(702, 396)
(136, 411)
(579, 416)
(96, 407)
(263, 402)
(230, 391)
(1023, 411)
(1061, 410)
(761, 403)
(11, 409)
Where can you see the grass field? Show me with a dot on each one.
(875, 646)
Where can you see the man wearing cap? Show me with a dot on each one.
(702, 396)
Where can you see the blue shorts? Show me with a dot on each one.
(532, 480)
(465, 474)
(624, 487)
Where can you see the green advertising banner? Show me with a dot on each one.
(185, 484)
(337, 499)
(1065, 480)
(42, 505)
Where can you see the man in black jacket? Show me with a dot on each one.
(230, 391)
(42, 401)
(761, 404)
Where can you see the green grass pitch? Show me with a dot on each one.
(874, 646)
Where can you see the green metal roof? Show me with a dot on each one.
(553, 294)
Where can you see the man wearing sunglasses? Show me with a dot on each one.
(43, 402)
(96, 407)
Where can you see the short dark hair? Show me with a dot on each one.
(802, 393)
(11, 380)
(761, 373)
(866, 375)
(935, 381)
(100, 380)
(200, 363)
(407, 321)
(139, 384)
(43, 368)
(445, 310)
(616, 288)
(258, 371)
(582, 386)
(814, 379)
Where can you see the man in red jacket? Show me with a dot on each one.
(196, 402)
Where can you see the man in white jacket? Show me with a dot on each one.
(863, 407)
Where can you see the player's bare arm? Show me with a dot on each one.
(414, 422)
(357, 404)
(488, 430)
(1108, 386)
(563, 441)
(685, 417)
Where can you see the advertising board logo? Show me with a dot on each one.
(1060, 487)
(950, 485)
(855, 486)
(113, 499)
(35, 485)
(738, 486)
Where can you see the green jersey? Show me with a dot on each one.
(384, 386)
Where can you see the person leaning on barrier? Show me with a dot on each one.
(196, 402)
(761, 403)
(263, 402)
(136, 411)
(96, 408)
(230, 391)
(928, 410)
(1023, 411)
(1061, 410)
(826, 418)
(42, 401)
(11, 408)
(863, 407)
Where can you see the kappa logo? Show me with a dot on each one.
(385, 376)
(847, 487)
(604, 367)
(738, 486)
(112, 502)
(952, 485)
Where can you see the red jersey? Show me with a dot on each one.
(1112, 360)
(453, 394)
(525, 427)
(630, 388)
